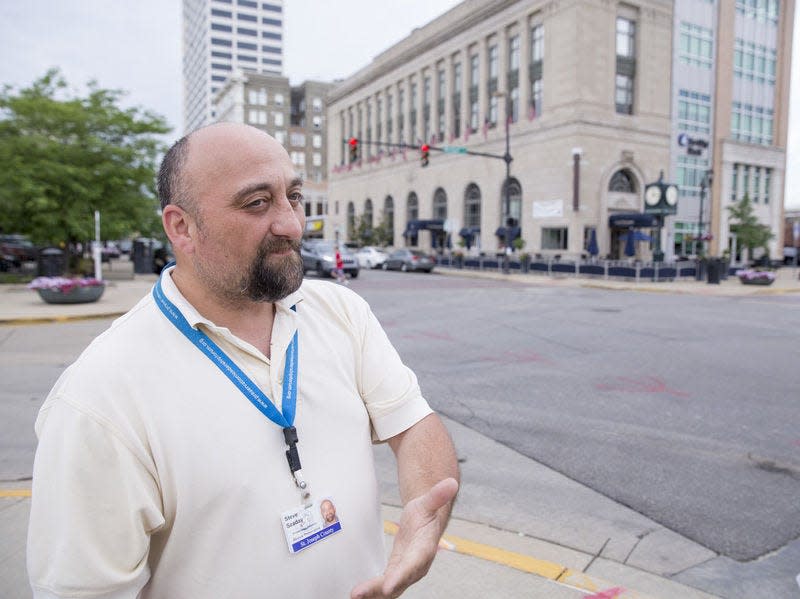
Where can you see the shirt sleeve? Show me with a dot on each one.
(390, 389)
(94, 505)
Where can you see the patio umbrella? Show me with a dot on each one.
(593, 249)
(630, 249)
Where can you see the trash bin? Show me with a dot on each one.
(51, 263)
(142, 256)
(714, 270)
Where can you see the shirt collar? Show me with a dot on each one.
(283, 327)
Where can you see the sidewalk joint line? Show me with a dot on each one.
(596, 555)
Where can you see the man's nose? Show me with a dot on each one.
(286, 221)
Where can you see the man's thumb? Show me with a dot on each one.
(440, 494)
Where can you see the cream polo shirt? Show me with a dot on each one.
(156, 477)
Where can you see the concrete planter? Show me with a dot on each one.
(76, 295)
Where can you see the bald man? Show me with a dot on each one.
(188, 451)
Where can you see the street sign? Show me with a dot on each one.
(454, 149)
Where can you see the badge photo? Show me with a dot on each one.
(309, 524)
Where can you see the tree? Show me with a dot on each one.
(65, 156)
(365, 234)
(750, 233)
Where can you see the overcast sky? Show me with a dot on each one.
(136, 46)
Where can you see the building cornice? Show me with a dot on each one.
(460, 18)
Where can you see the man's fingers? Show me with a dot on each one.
(439, 495)
(368, 590)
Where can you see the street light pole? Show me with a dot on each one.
(699, 244)
(708, 178)
(507, 185)
(507, 159)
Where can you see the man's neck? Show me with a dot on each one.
(250, 321)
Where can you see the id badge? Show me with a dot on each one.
(310, 524)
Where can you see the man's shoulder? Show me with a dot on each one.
(330, 293)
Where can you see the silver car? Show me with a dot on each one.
(409, 260)
(320, 256)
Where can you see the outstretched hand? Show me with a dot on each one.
(415, 544)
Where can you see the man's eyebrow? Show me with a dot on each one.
(242, 194)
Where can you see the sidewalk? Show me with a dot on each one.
(588, 546)
(19, 305)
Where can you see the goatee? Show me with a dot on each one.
(271, 278)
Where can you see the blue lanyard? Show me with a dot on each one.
(232, 371)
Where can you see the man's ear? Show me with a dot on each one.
(179, 227)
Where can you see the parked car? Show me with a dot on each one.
(405, 260)
(16, 249)
(109, 251)
(790, 255)
(320, 256)
(371, 257)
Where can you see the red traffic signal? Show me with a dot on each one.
(426, 150)
(353, 143)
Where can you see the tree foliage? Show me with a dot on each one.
(365, 234)
(750, 233)
(65, 156)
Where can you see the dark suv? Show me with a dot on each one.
(16, 249)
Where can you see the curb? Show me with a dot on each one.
(58, 319)
(599, 588)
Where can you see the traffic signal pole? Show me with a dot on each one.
(444, 149)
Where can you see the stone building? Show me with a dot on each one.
(295, 116)
(595, 99)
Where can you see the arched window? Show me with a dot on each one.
(623, 181)
(412, 209)
(368, 213)
(472, 206)
(412, 213)
(351, 221)
(388, 218)
(514, 201)
(440, 204)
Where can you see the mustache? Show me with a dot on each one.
(275, 245)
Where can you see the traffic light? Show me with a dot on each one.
(353, 143)
(426, 150)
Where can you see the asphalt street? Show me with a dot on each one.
(681, 407)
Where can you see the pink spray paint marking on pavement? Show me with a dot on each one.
(521, 357)
(607, 594)
(648, 384)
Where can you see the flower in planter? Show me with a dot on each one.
(63, 284)
(756, 275)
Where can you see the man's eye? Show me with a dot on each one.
(296, 198)
(256, 203)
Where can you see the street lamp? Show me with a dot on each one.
(708, 179)
(507, 186)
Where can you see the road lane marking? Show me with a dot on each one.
(15, 492)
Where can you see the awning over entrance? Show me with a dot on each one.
(631, 219)
(468, 232)
(513, 232)
(414, 226)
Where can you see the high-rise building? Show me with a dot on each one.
(730, 106)
(220, 36)
(293, 115)
(596, 100)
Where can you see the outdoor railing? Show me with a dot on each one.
(590, 268)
